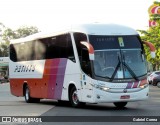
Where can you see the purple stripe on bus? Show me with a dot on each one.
(60, 79)
(135, 84)
(52, 77)
(129, 85)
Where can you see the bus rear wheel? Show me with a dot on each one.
(28, 98)
(120, 104)
(73, 97)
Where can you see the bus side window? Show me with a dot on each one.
(46, 48)
(83, 53)
(70, 52)
(40, 50)
(51, 48)
(85, 64)
(21, 51)
(62, 45)
(13, 54)
(29, 50)
(59, 47)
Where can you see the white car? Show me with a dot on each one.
(152, 75)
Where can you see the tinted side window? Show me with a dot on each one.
(83, 53)
(39, 50)
(22, 51)
(29, 50)
(70, 52)
(13, 54)
(59, 47)
(47, 48)
(55, 47)
(78, 38)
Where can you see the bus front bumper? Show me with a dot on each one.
(126, 96)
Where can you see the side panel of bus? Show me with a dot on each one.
(48, 78)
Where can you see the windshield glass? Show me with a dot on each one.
(116, 59)
(135, 60)
(105, 62)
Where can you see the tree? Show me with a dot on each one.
(6, 34)
(1, 28)
(25, 31)
(153, 35)
(21, 32)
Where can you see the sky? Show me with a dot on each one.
(52, 14)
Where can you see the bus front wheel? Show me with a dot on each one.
(120, 104)
(74, 98)
(28, 98)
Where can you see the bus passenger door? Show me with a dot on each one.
(86, 76)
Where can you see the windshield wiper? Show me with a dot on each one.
(129, 69)
(115, 71)
(124, 64)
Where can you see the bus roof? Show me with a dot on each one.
(91, 29)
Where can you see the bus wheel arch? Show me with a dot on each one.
(73, 97)
(71, 85)
(24, 87)
(26, 92)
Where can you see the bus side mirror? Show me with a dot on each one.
(152, 48)
(90, 49)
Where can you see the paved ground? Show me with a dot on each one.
(16, 106)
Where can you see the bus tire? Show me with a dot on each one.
(28, 98)
(73, 97)
(120, 104)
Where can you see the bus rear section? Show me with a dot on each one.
(38, 67)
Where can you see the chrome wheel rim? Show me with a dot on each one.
(75, 97)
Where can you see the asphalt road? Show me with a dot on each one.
(16, 106)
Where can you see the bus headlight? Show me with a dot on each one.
(106, 88)
(100, 87)
(142, 86)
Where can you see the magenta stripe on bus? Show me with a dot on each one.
(60, 78)
(52, 77)
(135, 84)
(129, 85)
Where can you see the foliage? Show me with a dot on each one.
(24, 31)
(153, 35)
(7, 34)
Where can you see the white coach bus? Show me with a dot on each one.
(90, 63)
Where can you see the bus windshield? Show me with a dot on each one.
(115, 58)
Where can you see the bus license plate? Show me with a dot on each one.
(125, 97)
